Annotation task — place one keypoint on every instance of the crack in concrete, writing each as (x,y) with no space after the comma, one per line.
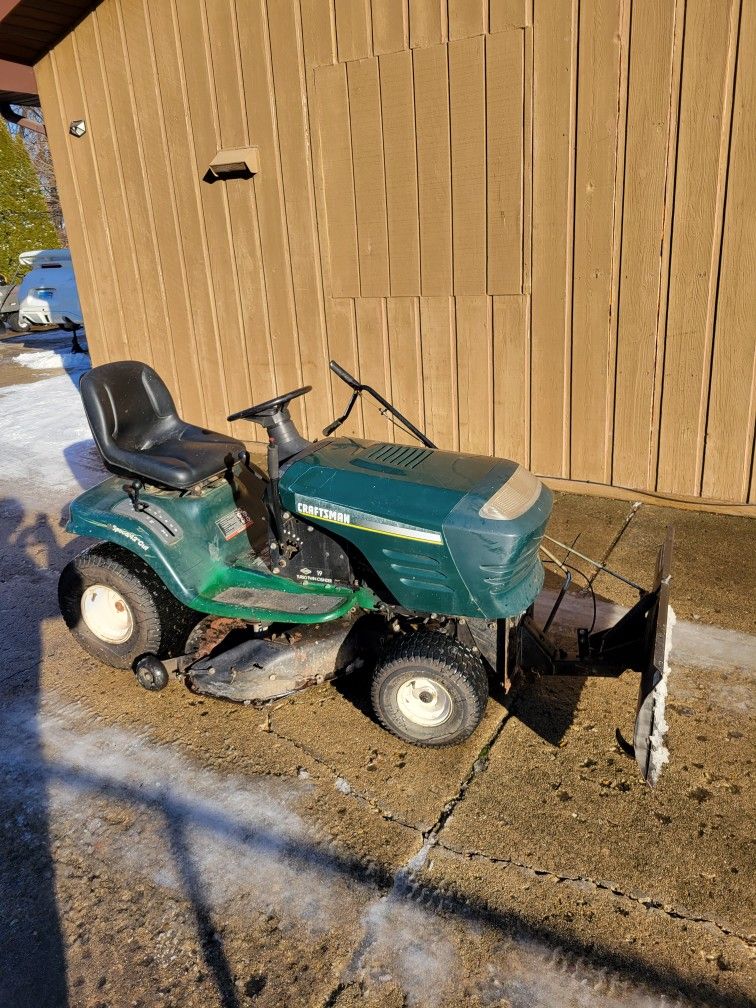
(432,831)
(645,901)
(334,995)
(478,767)
(352,791)
(13,683)
(431,837)
(404,884)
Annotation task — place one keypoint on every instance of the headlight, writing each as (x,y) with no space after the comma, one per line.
(519,493)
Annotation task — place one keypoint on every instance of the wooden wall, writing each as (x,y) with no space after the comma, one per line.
(531,224)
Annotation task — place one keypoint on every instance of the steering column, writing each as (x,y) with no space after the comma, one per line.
(284,441)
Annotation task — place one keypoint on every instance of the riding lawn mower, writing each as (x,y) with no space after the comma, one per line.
(414,566)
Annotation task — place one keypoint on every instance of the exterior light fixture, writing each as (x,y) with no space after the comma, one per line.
(236,162)
(77,127)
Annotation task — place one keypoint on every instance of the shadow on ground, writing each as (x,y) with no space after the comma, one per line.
(32,953)
(37,762)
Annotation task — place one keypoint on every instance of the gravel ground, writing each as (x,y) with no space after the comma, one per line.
(165,850)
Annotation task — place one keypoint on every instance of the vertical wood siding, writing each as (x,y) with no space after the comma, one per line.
(531,222)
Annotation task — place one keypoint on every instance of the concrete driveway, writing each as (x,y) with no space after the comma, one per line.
(165,850)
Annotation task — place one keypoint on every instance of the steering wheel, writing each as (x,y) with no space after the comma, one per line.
(270,407)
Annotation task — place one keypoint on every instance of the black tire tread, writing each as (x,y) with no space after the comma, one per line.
(443,653)
(162,621)
(176,619)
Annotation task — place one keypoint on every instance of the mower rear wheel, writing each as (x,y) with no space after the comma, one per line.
(430,690)
(117,608)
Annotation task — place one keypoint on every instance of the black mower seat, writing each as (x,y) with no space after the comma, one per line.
(139,434)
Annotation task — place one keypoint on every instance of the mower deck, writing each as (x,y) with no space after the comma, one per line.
(252,667)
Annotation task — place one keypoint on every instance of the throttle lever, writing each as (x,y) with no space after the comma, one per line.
(132,492)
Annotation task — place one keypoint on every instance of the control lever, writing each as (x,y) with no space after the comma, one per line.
(132,491)
(357,388)
(327,431)
(342,373)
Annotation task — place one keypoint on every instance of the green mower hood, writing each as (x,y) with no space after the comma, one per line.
(444,532)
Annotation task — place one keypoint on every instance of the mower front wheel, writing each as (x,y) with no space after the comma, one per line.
(118,609)
(430,690)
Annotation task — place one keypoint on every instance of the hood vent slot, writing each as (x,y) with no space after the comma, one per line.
(393,456)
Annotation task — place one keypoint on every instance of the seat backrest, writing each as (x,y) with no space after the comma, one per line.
(128,407)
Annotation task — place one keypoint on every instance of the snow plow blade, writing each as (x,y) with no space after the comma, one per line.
(640,640)
(650,725)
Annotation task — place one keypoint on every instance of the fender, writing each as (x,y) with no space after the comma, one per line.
(203,547)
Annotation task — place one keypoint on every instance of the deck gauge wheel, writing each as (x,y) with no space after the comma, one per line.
(151,673)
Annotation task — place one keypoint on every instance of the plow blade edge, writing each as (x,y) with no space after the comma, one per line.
(650,724)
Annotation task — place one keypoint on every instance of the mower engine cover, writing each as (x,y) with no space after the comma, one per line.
(446,533)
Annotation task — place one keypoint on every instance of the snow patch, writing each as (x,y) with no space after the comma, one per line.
(659,754)
(416,949)
(48,452)
(42,360)
(176,820)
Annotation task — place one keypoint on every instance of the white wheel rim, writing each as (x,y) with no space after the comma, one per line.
(424,702)
(107,614)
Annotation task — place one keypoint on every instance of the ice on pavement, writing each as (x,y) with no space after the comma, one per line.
(248,841)
(47,448)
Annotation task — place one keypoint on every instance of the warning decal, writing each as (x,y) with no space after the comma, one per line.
(233,523)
